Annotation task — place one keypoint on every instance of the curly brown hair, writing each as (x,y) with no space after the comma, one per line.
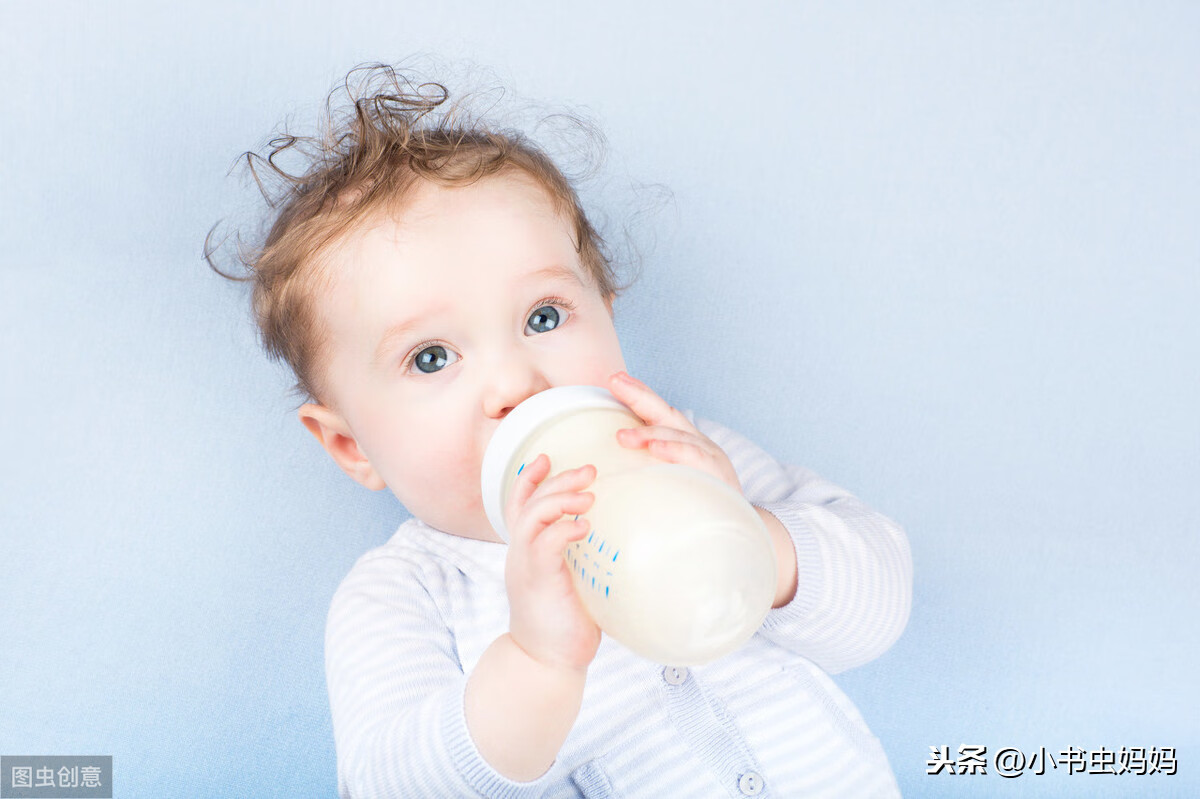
(394,132)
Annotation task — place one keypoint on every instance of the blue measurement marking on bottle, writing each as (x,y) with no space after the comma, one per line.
(522,467)
(590,556)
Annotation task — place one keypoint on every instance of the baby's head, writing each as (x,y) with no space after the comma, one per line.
(422,279)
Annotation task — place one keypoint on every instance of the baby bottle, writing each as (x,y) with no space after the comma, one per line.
(677,566)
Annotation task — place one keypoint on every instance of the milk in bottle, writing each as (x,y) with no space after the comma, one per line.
(677,565)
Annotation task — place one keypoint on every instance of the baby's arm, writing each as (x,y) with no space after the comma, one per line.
(400,700)
(396,686)
(525,693)
(853,566)
(844,583)
(407,721)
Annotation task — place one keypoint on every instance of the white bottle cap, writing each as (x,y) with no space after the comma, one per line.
(519,424)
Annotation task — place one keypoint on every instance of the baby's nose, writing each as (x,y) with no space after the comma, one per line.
(511,390)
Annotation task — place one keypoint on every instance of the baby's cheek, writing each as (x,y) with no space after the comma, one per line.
(457,468)
(595,368)
(460,474)
(430,488)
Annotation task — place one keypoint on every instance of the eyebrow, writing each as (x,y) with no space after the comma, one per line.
(556,272)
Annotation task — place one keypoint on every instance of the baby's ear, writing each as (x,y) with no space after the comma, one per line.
(328,427)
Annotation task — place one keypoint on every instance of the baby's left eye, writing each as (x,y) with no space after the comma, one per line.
(544,319)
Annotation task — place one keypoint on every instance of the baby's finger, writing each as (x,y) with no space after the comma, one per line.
(570,479)
(650,408)
(637,437)
(681,447)
(685,453)
(668,444)
(543,510)
(528,478)
(547,550)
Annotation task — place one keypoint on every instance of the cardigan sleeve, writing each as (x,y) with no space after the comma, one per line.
(853,564)
(396,690)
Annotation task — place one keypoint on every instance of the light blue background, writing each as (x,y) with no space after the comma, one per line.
(945,254)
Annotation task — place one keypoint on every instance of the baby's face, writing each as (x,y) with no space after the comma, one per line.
(439,325)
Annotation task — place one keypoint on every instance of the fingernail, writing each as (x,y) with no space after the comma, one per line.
(625,378)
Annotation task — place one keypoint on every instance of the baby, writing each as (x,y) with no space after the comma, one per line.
(423,277)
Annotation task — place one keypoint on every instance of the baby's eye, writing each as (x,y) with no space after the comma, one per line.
(433,359)
(544,319)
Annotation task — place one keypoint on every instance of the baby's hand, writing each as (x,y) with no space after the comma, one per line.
(546,617)
(669,436)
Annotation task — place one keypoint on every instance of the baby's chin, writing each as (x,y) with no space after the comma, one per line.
(468,521)
(482,532)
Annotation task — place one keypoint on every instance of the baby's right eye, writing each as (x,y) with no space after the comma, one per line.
(432,359)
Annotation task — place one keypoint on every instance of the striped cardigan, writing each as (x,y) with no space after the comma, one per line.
(412,618)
